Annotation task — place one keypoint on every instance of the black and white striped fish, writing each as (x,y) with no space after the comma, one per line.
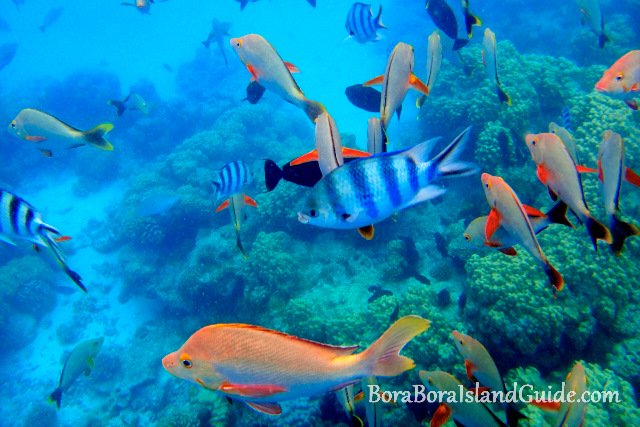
(362,25)
(231,179)
(20,221)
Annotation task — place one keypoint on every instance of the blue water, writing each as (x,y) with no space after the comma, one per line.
(158,269)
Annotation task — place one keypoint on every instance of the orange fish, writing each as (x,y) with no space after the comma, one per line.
(622,79)
(263,367)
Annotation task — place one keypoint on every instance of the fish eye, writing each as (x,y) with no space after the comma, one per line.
(13,125)
(467,236)
(487,185)
(430,381)
(313,213)
(619,76)
(187,363)
(461,342)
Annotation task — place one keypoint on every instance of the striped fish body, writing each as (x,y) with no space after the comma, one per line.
(376,141)
(367,191)
(566,119)
(328,144)
(231,179)
(361,24)
(19,220)
(396,81)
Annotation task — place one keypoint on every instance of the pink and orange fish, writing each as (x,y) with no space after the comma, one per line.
(622,79)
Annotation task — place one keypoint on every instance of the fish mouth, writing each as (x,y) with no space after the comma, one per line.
(303,218)
(600,87)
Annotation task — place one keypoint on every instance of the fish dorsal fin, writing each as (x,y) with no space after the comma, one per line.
(292,68)
(338,350)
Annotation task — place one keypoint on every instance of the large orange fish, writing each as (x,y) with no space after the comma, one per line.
(263,367)
(622,79)
(559,173)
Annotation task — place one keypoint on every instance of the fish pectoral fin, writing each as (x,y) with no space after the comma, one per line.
(542,174)
(631,177)
(35,138)
(250,202)
(374,81)
(418,85)
(352,152)
(253,72)
(91,363)
(427,193)
(7,240)
(635,87)
(311,156)
(265,408)
(366,232)
(292,68)
(509,251)
(469,367)
(441,416)
(493,223)
(533,212)
(585,169)
(224,205)
(251,390)
(546,405)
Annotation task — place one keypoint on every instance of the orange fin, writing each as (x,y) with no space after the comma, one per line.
(366,232)
(254,73)
(531,211)
(62,239)
(631,177)
(546,405)
(543,176)
(441,416)
(224,205)
(251,390)
(292,68)
(265,407)
(468,366)
(634,87)
(479,390)
(34,138)
(311,156)
(374,81)
(250,202)
(509,251)
(600,173)
(417,84)
(493,243)
(493,223)
(584,169)
(352,152)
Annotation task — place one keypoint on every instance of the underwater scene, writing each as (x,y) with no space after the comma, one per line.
(319,213)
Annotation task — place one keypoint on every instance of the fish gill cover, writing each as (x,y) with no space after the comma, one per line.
(138,223)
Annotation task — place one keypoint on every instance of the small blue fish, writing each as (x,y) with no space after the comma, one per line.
(231,179)
(367,191)
(361,24)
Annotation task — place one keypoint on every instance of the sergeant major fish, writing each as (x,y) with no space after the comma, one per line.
(490,61)
(268,69)
(80,361)
(45,130)
(231,179)
(622,79)
(454,19)
(361,24)
(262,367)
(369,190)
(20,220)
(236,204)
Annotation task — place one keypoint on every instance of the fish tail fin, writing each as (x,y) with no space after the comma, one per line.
(119,105)
(379,23)
(56,396)
(597,231)
(502,95)
(313,109)
(45,232)
(602,39)
(272,174)
(620,230)
(555,278)
(382,358)
(558,214)
(446,164)
(513,415)
(96,136)
(206,43)
(239,245)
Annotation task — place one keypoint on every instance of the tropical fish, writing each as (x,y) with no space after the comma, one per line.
(236,204)
(377,292)
(376,137)
(559,173)
(566,119)
(306,174)
(51,17)
(507,211)
(466,413)
(157,204)
(566,138)
(366,98)
(20,220)
(481,368)
(454,19)
(361,24)
(369,190)
(231,179)
(346,398)
(572,409)
(622,79)
(262,367)
(490,61)
(133,101)
(611,172)
(143,6)
(501,240)
(268,69)
(244,3)
(217,33)
(7,53)
(434,60)
(80,361)
(396,80)
(254,92)
(329,151)
(592,15)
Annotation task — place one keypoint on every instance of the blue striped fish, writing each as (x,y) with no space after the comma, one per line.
(367,191)
(566,119)
(231,179)
(19,220)
(362,25)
